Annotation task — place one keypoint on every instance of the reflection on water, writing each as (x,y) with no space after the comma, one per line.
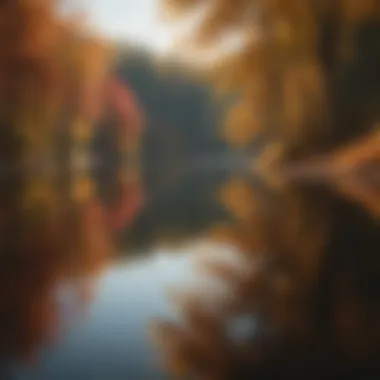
(238,278)
(308,295)
(109,338)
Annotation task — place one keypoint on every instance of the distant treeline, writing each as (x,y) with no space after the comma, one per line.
(182,118)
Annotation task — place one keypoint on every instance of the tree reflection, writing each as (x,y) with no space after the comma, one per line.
(49,239)
(309,290)
(43,244)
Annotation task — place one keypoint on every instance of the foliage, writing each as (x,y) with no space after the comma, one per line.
(50,69)
(307,71)
(307,76)
(47,240)
(181,115)
(309,287)
(53,79)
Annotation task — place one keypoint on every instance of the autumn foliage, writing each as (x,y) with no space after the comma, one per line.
(54,76)
(307,76)
(307,71)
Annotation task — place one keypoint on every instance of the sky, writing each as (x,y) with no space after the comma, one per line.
(139,22)
(135,20)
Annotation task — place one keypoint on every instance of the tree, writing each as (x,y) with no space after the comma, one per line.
(50,73)
(306,72)
(307,77)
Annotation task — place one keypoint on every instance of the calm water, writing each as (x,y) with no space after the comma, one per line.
(83,301)
(109,340)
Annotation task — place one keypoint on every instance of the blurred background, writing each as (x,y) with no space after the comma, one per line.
(189,189)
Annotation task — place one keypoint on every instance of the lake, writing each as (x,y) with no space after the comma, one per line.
(220,261)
